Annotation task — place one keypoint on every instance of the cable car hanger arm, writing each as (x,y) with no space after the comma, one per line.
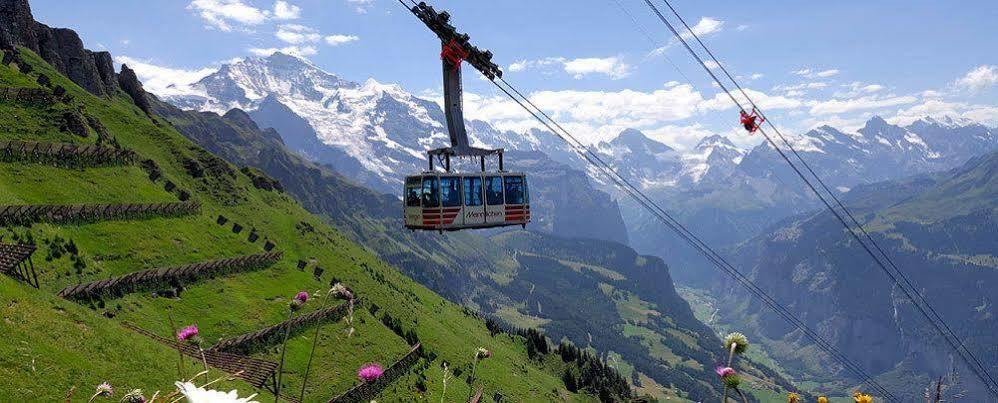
(455,49)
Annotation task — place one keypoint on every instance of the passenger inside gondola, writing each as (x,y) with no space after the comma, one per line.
(493,190)
(431,190)
(450,191)
(514,189)
(412,192)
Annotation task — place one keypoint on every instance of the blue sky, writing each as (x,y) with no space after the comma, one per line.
(588,62)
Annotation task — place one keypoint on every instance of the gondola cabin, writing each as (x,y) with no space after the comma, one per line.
(456,201)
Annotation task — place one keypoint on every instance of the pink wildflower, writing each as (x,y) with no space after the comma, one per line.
(370,372)
(724,371)
(188,333)
(302,296)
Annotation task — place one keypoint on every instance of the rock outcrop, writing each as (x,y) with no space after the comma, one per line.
(60,47)
(129,83)
(105,69)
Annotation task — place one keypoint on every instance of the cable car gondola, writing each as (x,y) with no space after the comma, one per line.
(450,201)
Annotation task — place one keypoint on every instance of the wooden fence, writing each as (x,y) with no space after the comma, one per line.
(153,279)
(368,391)
(256,372)
(15,261)
(251,342)
(66,155)
(25,215)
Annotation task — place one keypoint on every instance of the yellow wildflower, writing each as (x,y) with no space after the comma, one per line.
(822,399)
(793,398)
(862,398)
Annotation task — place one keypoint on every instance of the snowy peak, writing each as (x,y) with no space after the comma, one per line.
(253,78)
(636,141)
(715,141)
(948,122)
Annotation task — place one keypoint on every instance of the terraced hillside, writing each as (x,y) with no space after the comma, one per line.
(206,272)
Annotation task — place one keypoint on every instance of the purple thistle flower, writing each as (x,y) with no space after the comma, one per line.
(370,372)
(188,333)
(722,371)
(302,297)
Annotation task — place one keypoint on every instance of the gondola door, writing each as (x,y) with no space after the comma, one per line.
(474,201)
(413,202)
(495,207)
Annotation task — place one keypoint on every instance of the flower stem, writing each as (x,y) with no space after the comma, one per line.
(204,360)
(280,366)
(443,394)
(474,370)
(180,351)
(731,354)
(315,341)
(744,400)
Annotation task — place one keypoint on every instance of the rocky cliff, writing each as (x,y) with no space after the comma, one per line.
(60,47)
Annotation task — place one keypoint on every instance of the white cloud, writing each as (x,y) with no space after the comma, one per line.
(710,64)
(705,27)
(856,89)
(756,76)
(523,65)
(361,6)
(845,124)
(811,73)
(741,27)
(722,101)
(227,15)
(286,11)
(797,90)
(595,115)
(938,108)
(517,66)
(838,106)
(827,73)
(980,78)
(297,34)
(613,67)
(336,40)
(678,136)
(164,81)
(664,114)
(230,15)
(300,51)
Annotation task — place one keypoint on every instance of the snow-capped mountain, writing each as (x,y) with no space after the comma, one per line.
(878,151)
(378,130)
(373,132)
(742,194)
(654,165)
(376,134)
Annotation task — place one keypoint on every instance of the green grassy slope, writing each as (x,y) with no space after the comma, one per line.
(73,345)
